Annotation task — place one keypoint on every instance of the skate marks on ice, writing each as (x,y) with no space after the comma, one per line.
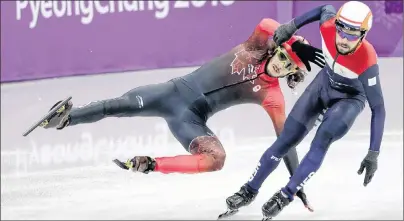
(107,192)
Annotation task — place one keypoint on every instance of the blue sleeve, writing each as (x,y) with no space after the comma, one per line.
(371,83)
(321,13)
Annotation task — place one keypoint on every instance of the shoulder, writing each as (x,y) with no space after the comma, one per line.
(328,25)
(328,31)
(264,30)
(367,50)
(366,57)
(268,26)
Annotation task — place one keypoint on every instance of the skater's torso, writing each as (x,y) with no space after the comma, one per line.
(344,70)
(237,76)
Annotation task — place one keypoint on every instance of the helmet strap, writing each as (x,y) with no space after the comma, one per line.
(359,44)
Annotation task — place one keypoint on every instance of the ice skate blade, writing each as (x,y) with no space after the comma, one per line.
(227,214)
(48,115)
(266,218)
(120,164)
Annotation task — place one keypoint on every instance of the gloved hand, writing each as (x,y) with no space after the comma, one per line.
(370,163)
(293,79)
(303,198)
(284,32)
(308,53)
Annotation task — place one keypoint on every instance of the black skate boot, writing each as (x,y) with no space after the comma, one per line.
(275,205)
(60,118)
(141,164)
(243,197)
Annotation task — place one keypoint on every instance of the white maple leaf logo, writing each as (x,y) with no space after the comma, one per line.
(243,64)
(240,62)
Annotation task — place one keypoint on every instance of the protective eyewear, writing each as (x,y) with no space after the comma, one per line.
(286,60)
(343,34)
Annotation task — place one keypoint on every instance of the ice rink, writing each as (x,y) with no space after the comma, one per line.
(107,192)
(69,174)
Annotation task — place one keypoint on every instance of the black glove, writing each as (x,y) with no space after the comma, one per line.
(370,163)
(293,79)
(284,32)
(303,198)
(308,53)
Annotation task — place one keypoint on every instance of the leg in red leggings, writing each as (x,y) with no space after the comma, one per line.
(206,152)
(208,155)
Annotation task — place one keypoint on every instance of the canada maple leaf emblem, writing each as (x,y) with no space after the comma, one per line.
(240,62)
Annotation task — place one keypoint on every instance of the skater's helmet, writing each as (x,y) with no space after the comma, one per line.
(288,47)
(356,16)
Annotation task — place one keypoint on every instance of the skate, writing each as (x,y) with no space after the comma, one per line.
(60,118)
(274,205)
(53,117)
(243,197)
(142,164)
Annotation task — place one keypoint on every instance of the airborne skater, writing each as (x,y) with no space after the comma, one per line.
(248,73)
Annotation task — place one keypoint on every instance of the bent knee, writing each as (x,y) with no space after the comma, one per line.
(214,155)
(329,133)
(293,132)
(212,162)
(218,161)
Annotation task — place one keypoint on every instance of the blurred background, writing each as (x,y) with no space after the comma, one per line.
(93,50)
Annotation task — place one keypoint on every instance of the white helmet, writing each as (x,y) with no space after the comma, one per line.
(355,15)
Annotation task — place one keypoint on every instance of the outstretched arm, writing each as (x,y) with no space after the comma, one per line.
(321,13)
(285,31)
(371,83)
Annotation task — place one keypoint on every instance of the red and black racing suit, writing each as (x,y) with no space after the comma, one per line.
(186,103)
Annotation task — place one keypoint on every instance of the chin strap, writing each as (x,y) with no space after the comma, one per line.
(358,45)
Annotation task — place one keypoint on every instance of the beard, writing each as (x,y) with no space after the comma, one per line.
(345,47)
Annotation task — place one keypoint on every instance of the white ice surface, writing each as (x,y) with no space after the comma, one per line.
(107,192)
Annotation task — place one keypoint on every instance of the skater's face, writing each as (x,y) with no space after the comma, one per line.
(280,65)
(346,39)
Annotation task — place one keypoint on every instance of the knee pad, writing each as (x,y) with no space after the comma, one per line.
(211,148)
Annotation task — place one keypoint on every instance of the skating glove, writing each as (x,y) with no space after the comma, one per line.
(284,32)
(303,198)
(308,53)
(370,163)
